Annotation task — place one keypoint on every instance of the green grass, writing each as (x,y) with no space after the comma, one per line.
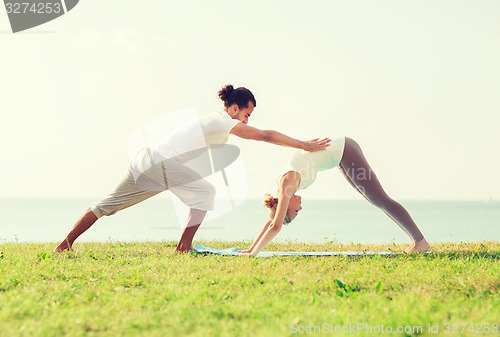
(144,289)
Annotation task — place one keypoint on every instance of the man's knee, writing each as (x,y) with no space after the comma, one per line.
(103,211)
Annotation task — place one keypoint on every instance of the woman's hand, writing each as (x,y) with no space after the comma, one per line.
(317,144)
(244,253)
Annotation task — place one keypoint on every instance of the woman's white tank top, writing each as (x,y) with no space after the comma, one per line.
(308,164)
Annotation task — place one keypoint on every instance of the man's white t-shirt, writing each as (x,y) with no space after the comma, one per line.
(190,140)
(195,135)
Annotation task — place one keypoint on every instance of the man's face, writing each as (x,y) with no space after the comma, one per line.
(241,114)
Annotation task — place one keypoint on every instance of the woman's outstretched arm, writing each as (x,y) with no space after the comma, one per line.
(274,227)
(288,186)
(264,229)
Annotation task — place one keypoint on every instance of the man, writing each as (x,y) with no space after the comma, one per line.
(162,169)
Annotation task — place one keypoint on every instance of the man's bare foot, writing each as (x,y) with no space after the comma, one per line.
(421,246)
(184,248)
(63,246)
(182,251)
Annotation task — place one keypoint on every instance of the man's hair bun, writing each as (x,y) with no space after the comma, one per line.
(240,96)
(225,92)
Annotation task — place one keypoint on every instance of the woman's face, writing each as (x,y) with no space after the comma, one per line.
(294,206)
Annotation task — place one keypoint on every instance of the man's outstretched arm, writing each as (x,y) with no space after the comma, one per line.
(270,136)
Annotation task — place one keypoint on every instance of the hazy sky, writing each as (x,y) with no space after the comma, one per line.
(415,83)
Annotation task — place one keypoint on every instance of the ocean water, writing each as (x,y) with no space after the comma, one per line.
(49,220)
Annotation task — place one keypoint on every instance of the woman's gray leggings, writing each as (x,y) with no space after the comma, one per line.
(361,176)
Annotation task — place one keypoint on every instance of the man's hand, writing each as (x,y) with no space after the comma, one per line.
(317,144)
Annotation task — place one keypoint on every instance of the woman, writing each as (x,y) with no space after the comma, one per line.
(301,172)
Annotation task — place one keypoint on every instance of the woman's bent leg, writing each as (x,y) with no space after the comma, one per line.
(360,175)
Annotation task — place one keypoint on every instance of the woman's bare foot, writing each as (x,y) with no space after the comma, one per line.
(410,248)
(421,246)
(63,246)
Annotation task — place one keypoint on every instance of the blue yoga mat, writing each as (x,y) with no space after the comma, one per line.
(232,251)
